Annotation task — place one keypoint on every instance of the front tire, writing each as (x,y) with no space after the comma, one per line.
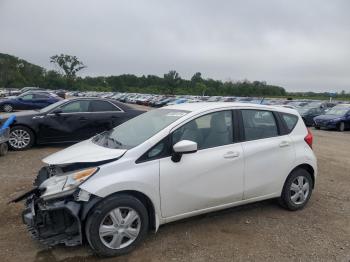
(21,138)
(297,190)
(7,108)
(117,225)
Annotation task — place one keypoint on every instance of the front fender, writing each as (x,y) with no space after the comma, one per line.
(142,178)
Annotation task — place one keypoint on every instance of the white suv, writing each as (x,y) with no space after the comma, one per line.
(169,164)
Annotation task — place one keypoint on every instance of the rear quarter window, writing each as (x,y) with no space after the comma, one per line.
(290,121)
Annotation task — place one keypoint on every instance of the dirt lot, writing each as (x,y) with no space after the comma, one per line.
(256,232)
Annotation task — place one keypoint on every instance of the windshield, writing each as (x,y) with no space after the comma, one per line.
(338,111)
(52,106)
(137,130)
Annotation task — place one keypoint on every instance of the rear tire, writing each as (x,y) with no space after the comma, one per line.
(297,190)
(21,138)
(108,229)
(317,127)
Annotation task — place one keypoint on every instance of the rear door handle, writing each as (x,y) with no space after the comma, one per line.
(231,154)
(284,144)
(83,119)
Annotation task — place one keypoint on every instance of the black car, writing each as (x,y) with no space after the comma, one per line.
(69,120)
(308,114)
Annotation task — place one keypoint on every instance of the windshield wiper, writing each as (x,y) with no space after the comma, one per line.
(114,141)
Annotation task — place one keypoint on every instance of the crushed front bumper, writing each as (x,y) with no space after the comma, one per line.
(53,223)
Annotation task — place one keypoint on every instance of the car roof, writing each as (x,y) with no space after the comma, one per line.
(113,101)
(204,106)
(30,92)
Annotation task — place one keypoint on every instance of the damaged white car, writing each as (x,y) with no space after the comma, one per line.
(169,164)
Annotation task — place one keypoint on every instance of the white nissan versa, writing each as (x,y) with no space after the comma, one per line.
(168,164)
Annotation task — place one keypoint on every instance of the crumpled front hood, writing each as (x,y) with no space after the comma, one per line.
(83,152)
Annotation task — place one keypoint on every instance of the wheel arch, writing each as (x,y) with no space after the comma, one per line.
(27,126)
(309,169)
(145,200)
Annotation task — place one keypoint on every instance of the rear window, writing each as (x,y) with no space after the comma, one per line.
(259,124)
(290,121)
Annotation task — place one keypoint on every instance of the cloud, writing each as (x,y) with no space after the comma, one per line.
(300,45)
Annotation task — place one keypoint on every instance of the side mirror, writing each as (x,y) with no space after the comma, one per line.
(183,147)
(57,112)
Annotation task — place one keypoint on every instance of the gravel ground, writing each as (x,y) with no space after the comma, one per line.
(257,232)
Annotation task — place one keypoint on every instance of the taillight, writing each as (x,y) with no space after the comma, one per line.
(308,139)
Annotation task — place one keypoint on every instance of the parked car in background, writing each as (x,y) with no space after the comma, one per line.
(164,101)
(178,101)
(320,104)
(229,99)
(336,118)
(28,100)
(3,93)
(61,93)
(30,88)
(70,120)
(297,104)
(169,164)
(309,113)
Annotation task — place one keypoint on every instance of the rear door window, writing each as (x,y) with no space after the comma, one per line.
(102,106)
(290,121)
(41,96)
(259,124)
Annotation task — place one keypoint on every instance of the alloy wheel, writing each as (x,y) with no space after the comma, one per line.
(8,108)
(299,190)
(19,139)
(342,126)
(120,228)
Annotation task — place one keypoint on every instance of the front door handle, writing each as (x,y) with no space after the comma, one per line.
(231,154)
(83,118)
(284,144)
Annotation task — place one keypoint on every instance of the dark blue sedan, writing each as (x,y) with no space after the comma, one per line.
(336,118)
(27,101)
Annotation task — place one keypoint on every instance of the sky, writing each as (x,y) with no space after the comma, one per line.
(301,45)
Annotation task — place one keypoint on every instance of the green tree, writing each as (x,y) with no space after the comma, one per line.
(200,89)
(69,64)
(172,80)
(196,78)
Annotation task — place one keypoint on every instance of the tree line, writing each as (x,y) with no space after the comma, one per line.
(17,73)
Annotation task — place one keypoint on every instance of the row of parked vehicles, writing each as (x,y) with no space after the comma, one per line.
(330,115)
(45,117)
